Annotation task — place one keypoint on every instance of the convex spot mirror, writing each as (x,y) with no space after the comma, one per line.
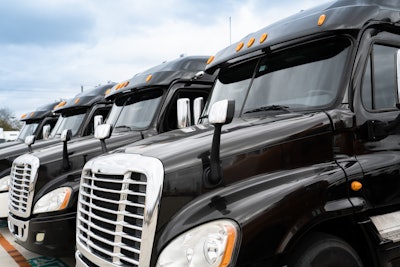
(46,131)
(222,112)
(102,131)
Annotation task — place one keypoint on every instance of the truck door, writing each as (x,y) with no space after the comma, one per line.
(377,145)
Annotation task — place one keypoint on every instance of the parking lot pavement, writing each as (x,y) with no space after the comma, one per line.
(13,255)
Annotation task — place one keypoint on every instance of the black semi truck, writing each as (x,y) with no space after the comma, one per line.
(38,123)
(42,214)
(298,165)
(76,114)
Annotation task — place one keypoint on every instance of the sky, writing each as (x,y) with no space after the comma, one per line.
(53,49)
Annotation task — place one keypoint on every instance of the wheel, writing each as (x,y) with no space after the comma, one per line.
(323,250)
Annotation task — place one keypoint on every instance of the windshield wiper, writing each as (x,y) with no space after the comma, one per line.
(268,108)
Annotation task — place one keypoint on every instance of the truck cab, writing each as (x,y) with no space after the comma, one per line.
(76,113)
(143,106)
(296,163)
(39,123)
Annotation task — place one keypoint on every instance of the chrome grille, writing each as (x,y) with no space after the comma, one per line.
(23,177)
(117,209)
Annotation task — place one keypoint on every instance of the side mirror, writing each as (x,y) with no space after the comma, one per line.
(66,135)
(102,131)
(222,112)
(198,105)
(29,141)
(183,112)
(98,120)
(46,131)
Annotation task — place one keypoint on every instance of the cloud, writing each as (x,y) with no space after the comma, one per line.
(49,49)
(43,23)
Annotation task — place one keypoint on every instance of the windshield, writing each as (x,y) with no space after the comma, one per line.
(27,129)
(72,122)
(135,111)
(302,78)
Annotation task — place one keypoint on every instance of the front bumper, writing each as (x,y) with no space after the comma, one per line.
(50,236)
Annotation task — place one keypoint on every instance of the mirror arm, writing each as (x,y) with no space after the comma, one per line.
(215,175)
(66,164)
(103,146)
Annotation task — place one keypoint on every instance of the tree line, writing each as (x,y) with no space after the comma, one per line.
(8,121)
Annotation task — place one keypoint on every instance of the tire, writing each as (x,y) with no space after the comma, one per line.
(323,250)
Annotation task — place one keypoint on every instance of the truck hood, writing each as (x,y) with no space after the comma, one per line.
(187,147)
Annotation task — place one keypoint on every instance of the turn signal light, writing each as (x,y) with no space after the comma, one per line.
(23,116)
(149,78)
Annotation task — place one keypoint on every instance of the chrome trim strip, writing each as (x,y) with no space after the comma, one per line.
(121,164)
(388,225)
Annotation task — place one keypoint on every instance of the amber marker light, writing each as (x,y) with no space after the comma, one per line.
(32,113)
(263,38)
(230,245)
(77,100)
(23,116)
(149,78)
(108,91)
(119,86)
(250,42)
(61,104)
(210,59)
(356,186)
(321,20)
(66,199)
(239,46)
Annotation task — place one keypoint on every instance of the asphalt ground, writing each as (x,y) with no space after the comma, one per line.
(14,255)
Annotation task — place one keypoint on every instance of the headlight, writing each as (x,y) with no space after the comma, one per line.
(211,244)
(5,183)
(55,200)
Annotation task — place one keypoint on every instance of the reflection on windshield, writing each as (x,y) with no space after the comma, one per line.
(27,129)
(71,122)
(135,111)
(305,77)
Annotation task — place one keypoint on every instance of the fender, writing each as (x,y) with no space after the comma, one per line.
(272,209)
(69,179)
